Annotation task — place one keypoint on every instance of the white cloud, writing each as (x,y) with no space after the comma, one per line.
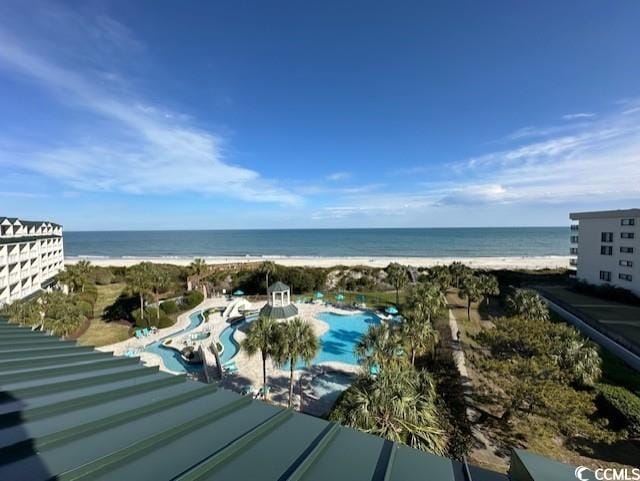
(336,176)
(579,115)
(135,146)
(599,162)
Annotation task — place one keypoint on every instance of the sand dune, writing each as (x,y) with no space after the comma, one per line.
(534,262)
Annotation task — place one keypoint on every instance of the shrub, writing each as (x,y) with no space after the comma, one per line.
(620,406)
(103,277)
(89,295)
(169,307)
(607,292)
(85,307)
(151,318)
(192,299)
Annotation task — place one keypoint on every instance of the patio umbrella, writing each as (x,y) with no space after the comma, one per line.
(238,293)
(319,295)
(391,310)
(339,297)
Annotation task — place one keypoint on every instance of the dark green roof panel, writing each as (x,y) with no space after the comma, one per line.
(68,412)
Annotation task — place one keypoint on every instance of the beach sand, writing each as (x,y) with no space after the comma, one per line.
(529,263)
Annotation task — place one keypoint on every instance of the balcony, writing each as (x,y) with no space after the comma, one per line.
(574,239)
(574,227)
(573,251)
(573,262)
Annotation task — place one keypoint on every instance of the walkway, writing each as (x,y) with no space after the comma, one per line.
(485,448)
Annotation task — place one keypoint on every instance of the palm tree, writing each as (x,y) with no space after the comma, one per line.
(266,268)
(458,272)
(580,359)
(428,299)
(83,269)
(23,312)
(397,275)
(60,315)
(471,291)
(441,275)
(159,281)
(399,404)
(197,267)
(380,346)
(527,304)
(489,286)
(297,343)
(418,334)
(139,282)
(263,337)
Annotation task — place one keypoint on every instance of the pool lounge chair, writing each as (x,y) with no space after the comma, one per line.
(249,391)
(261,392)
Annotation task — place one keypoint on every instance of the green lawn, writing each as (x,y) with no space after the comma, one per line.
(378,299)
(101,333)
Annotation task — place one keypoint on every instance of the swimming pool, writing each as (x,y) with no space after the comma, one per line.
(227,338)
(338,344)
(170,357)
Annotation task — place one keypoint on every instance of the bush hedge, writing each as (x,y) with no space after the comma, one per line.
(151,318)
(85,307)
(192,299)
(607,292)
(169,307)
(621,406)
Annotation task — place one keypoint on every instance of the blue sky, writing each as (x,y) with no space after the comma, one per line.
(163,114)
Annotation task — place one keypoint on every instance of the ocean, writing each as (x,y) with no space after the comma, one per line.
(424,242)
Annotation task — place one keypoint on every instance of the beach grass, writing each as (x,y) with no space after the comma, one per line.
(100,332)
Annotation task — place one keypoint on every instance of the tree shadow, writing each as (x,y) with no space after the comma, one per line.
(624,451)
(19,459)
(121,309)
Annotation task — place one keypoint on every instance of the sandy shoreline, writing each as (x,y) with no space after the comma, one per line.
(506,262)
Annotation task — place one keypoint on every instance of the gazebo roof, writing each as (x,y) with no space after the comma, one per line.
(277,287)
(278,312)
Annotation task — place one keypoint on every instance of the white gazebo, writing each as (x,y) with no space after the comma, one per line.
(278,304)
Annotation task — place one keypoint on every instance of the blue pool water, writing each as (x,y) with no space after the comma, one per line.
(339,342)
(227,338)
(171,358)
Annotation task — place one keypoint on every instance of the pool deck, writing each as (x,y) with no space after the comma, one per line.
(150,359)
(250,368)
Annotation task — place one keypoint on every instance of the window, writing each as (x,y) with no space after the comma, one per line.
(574,239)
(625,277)
(573,251)
(626,250)
(627,222)
(627,235)
(607,237)
(606,250)
(625,263)
(605,276)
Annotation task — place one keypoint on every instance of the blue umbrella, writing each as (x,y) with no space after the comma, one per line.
(238,293)
(391,310)
(339,297)
(319,295)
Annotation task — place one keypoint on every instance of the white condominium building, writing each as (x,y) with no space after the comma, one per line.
(605,247)
(31,254)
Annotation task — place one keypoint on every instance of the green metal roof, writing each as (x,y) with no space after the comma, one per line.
(278,312)
(277,287)
(526,466)
(72,413)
